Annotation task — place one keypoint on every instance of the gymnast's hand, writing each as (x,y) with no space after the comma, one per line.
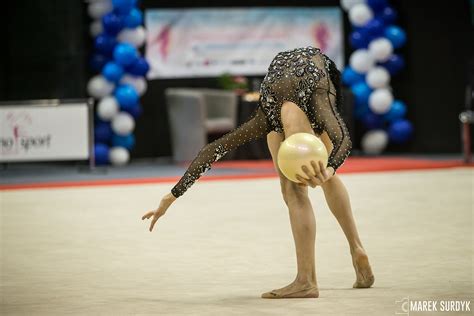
(317,176)
(166,201)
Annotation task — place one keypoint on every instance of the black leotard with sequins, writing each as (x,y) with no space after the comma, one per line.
(304,76)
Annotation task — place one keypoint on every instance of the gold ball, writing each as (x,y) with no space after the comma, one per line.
(298,150)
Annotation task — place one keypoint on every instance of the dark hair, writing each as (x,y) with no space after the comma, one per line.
(335,76)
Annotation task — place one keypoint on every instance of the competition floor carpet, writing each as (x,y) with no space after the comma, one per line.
(74,246)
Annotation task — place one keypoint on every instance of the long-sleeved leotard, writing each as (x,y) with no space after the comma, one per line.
(303,76)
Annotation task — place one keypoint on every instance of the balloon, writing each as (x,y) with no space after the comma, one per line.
(107,108)
(105,44)
(127,141)
(350,77)
(360,14)
(377,5)
(348,4)
(96,28)
(394,64)
(374,141)
(139,83)
(126,96)
(375,27)
(112,71)
(123,123)
(400,131)
(99,8)
(112,23)
(378,77)
(135,37)
(380,101)
(139,68)
(97,62)
(380,49)
(134,18)
(361,61)
(102,132)
(359,39)
(389,15)
(397,111)
(135,111)
(361,92)
(298,150)
(372,120)
(119,156)
(361,110)
(123,6)
(125,54)
(101,154)
(396,35)
(98,87)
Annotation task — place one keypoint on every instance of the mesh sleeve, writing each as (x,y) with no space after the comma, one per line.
(254,128)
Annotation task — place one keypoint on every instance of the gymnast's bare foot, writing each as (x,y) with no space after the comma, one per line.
(296,289)
(364,276)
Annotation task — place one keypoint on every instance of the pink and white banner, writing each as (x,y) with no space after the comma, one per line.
(240,41)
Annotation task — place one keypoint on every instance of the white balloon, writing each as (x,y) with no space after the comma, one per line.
(348,4)
(119,156)
(380,101)
(378,77)
(361,61)
(139,83)
(98,9)
(98,87)
(360,14)
(374,141)
(107,108)
(380,49)
(96,28)
(123,124)
(136,36)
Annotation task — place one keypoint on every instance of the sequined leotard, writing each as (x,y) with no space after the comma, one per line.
(304,76)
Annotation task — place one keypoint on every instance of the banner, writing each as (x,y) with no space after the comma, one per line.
(210,42)
(32,133)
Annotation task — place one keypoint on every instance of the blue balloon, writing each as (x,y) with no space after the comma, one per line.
(123,6)
(135,111)
(396,35)
(377,5)
(134,18)
(361,92)
(105,44)
(127,141)
(394,64)
(97,62)
(389,15)
(359,39)
(139,68)
(361,110)
(126,96)
(102,132)
(351,77)
(125,54)
(372,120)
(112,23)
(375,27)
(112,71)
(397,111)
(101,154)
(400,131)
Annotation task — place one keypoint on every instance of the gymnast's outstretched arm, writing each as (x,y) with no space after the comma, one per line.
(254,128)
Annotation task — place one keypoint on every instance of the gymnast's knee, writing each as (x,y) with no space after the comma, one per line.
(292,192)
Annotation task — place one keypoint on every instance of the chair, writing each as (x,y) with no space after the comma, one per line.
(194,113)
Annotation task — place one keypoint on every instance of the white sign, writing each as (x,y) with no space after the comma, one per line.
(32,133)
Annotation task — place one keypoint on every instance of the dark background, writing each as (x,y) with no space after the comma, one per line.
(46,46)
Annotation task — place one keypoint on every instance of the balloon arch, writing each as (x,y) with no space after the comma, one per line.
(376,38)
